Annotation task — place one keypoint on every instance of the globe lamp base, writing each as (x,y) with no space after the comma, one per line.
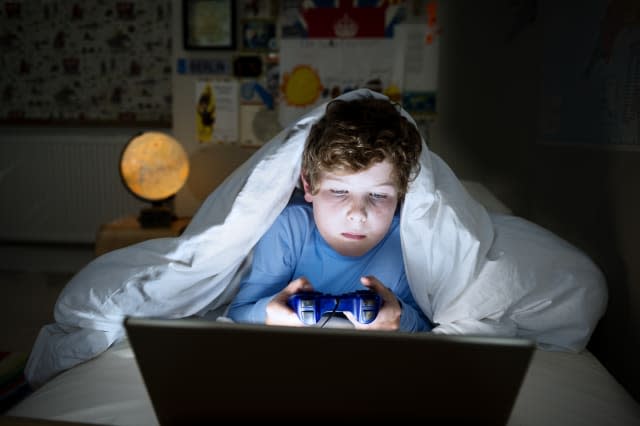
(156,217)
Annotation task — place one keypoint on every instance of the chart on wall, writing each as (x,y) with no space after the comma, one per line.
(329,48)
(591,85)
(95,61)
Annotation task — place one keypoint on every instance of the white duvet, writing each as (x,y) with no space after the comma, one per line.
(470,271)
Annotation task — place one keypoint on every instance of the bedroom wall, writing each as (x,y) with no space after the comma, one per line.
(487,130)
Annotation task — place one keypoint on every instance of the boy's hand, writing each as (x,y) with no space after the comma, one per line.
(389,315)
(278,312)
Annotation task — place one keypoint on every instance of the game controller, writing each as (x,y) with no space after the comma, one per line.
(312,305)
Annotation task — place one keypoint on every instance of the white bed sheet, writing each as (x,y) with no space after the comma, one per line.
(560,388)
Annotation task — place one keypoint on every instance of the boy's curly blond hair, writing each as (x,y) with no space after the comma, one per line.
(354,135)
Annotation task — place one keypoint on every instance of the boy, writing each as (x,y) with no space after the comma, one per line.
(356,167)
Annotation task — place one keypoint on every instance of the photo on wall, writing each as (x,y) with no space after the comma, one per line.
(259,34)
(209,24)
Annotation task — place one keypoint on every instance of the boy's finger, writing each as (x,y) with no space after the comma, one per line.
(373,283)
(299,284)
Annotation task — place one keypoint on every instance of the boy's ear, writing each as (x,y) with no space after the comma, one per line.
(307,188)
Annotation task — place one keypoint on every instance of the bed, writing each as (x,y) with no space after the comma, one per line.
(560,388)
(503,275)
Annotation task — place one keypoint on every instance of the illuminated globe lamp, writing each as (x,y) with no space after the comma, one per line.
(154,166)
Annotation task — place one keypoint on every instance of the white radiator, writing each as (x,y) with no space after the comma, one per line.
(59,185)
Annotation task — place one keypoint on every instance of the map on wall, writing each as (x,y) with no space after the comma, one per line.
(591,73)
(93,61)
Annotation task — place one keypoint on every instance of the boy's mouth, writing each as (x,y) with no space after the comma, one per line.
(351,236)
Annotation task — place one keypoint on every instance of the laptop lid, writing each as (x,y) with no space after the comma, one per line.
(200,372)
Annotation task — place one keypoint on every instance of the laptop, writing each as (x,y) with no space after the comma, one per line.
(203,372)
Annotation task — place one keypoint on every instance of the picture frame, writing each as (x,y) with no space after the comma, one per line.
(209,24)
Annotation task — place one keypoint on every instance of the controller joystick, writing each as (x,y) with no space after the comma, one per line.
(312,305)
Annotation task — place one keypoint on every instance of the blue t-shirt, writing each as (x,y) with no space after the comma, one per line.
(293,248)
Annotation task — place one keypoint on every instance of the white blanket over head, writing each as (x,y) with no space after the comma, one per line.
(471,272)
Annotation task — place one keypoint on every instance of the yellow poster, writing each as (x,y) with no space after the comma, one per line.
(216,111)
(205,113)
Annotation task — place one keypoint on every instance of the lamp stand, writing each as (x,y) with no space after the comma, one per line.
(159,215)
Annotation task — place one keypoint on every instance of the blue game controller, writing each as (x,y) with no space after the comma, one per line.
(312,305)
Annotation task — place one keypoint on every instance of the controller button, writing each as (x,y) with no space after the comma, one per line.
(305,303)
(308,317)
(369,302)
(368,316)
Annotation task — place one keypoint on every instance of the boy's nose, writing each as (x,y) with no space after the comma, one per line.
(357,213)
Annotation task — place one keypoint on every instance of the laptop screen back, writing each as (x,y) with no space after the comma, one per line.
(198,371)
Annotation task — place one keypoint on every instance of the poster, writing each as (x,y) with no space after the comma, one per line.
(313,71)
(320,59)
(419,82)
(216,111)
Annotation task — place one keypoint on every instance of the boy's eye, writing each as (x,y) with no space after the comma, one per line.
(376,196)
(338,192)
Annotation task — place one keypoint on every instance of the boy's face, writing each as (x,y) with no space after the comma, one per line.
(353,212)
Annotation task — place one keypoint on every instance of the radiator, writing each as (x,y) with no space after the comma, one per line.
(59,185)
